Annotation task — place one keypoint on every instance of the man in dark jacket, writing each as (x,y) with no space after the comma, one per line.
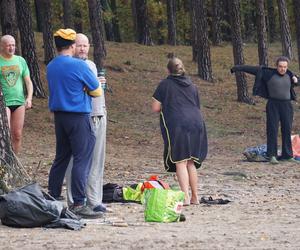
(276,85)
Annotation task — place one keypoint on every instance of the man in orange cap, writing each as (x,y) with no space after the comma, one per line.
(71,86)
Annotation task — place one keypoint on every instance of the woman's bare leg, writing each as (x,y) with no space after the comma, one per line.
(183,179)
(193,180)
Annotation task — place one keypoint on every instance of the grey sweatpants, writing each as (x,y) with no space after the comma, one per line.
(94,187)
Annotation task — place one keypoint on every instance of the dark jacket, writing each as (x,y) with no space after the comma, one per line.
(262,76)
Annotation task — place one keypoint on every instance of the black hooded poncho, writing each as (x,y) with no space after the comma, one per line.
(182,126)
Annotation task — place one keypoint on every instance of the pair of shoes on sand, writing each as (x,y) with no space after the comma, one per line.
(211,201)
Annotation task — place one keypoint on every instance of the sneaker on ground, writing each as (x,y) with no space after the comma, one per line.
(102,208)
(273,160)
(292,160)
(86,212)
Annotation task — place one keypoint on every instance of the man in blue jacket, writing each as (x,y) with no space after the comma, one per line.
(71,86)
(276,85)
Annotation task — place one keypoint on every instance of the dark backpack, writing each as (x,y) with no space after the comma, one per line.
(112,192)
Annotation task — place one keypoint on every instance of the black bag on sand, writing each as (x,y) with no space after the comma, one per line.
(112,193)
(28,207)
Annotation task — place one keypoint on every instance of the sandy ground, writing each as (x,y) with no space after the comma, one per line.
(264,212)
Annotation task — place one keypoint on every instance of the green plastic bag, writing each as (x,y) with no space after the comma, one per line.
(163,205)
(133,194)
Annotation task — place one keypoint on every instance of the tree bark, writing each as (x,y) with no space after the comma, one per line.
(249,28)
(285,32)
(12,173)
(68,14)
(45,10)
(134,19)
(38,15)
(193,31)
(28,45)
(78,20)
(216,22)
(171,13)
(108,26)
(261,33)
(115,21)
(142,22)
(9,21)
(296,7)
(271,21)
(202,45)
(96,21)
(238,56)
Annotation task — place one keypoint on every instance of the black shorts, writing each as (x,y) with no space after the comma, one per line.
(14,107)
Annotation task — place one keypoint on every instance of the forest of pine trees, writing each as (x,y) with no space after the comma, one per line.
(196,23)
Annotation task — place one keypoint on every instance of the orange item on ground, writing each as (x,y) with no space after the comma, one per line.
(296,145)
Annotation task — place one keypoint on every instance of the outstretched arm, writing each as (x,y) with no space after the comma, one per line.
(245,68)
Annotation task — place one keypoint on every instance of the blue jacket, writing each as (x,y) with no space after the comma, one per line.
(68,78)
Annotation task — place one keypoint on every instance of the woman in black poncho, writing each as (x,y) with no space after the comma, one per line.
(182,127)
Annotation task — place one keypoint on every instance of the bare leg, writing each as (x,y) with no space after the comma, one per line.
(183,179)
(8,114)
(193,178)
(16,126)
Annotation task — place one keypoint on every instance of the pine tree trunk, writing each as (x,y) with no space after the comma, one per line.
(109,32)
(216,22)
(96,21)
(45,10)
(238,56)
(296,7)
(261,33)
(115,21)
(285,32)
(271,21)
(225,29)
(171,13)
(193,31)
(202,45)
(142,23)
(68,14)
(134,19)
(38,15)
(9,21)
(108,25)
(249,22)
(12,173)
(78,21)
(28,45)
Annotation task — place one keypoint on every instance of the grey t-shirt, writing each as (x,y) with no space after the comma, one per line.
(98,103)
(279,87)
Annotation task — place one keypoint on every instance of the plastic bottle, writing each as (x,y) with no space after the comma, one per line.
(101,73)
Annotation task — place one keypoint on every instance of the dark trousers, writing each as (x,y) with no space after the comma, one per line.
(74,136)
(279,111)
